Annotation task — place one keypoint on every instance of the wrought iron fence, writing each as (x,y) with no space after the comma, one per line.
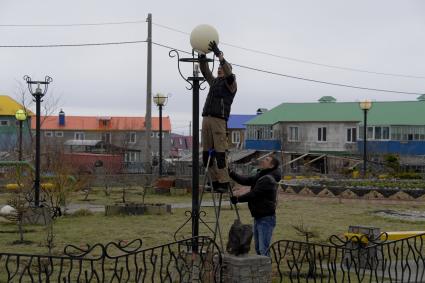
(350,260)
(118,262)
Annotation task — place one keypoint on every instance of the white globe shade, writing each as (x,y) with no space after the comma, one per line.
(365,104)
(160,99)
(7,209)
(201,36)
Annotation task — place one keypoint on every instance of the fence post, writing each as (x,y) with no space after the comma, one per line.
(367,257)
(247,269)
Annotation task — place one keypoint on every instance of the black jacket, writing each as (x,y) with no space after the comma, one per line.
(219,100)
(262,196)
(222,91)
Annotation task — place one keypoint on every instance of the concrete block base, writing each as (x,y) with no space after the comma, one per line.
(37,216)
(247,269)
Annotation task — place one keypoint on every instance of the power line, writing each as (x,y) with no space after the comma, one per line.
(186,33)
(74,25)
(73,45)
(301,60)
(302,78)
(186,52)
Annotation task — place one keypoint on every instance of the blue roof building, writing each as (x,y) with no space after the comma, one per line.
(236,127)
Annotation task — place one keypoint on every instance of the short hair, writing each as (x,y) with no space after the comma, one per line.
(275,162)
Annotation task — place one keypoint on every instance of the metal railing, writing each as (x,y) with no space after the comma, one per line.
(350,260)
(118,262)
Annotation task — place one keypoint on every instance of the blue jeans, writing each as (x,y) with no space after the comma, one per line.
(263,230)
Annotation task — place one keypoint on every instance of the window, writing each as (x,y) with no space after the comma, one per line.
(79,136)
(131,137)
(321,134)
(385,133)
(4,123)
(369,132)
(130,156)
(180,141)
(59,134)
(378,133)
(172,141)
(351,134)
(382,133)
(106,137)
(48,134)
(259,134)
(293,134)
(236,137)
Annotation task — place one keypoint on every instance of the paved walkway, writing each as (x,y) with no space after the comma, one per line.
(101,208)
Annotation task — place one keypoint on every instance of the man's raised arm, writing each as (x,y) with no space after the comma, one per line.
(205,69)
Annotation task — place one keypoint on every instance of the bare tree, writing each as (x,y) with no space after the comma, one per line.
(18,200)
(308,233)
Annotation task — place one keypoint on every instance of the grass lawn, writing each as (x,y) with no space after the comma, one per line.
(97,196)
(326,216)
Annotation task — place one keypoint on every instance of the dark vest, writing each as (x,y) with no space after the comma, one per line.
(219,100)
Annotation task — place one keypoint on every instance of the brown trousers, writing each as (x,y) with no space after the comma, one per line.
(214,136)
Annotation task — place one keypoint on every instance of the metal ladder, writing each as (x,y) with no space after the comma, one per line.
(217,202)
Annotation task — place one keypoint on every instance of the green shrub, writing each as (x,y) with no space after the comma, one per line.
(392,161)
(407,175)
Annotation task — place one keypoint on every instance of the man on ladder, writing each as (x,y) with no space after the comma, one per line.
(215,114)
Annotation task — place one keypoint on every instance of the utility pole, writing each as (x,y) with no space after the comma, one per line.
(148,116)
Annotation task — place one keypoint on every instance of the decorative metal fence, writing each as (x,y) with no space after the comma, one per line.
(350,260)
(118,262)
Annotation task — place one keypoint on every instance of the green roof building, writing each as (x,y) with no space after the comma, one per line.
(330,126)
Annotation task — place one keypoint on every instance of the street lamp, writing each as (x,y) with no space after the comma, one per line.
(21,116)
(160,100)
(199,39)
(365,105)
(38,95)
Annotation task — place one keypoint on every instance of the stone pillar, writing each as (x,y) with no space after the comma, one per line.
(247,269)
(362,254)
(36,216)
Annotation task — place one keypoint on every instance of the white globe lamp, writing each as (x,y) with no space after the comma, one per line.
(201,36)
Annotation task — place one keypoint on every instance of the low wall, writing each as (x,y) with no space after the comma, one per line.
(355,192)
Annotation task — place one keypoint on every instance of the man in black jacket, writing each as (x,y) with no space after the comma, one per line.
(261,200)
(215,114)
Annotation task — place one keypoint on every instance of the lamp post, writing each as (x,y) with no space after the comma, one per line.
(160,100)
(365,105)
(199,39)
(38,95)
(21,116)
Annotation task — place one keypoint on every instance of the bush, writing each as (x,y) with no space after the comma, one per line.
(407,175)
(392,161)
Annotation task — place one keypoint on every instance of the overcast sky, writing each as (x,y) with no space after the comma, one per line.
(380,36)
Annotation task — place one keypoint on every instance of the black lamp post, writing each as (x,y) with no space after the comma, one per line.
(21,116)
(199,39)
(365,106)
(38,95)
(160,100)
